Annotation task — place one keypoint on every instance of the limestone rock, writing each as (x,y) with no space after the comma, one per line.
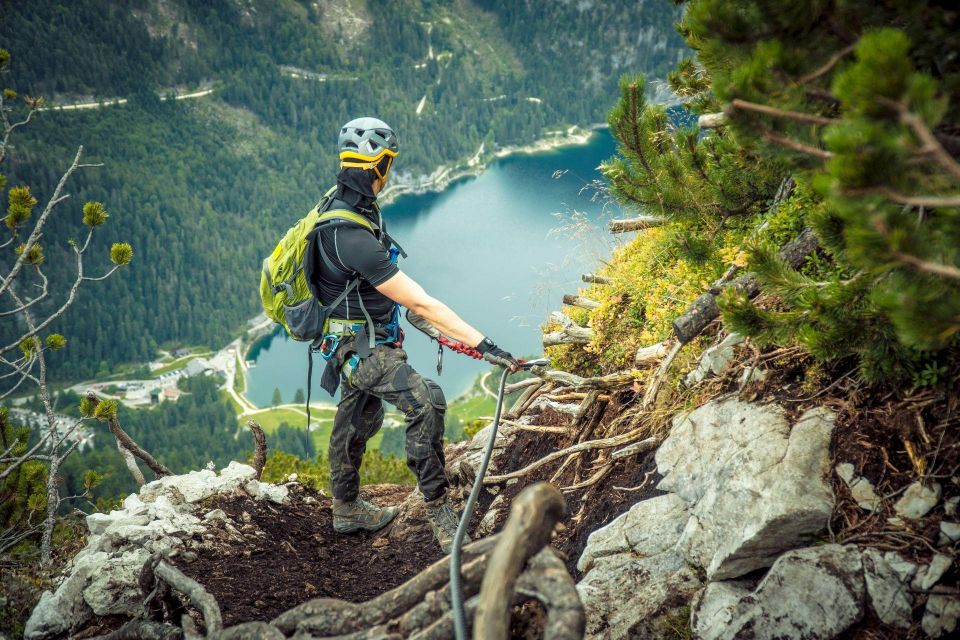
(648,528)
(950,505)
(465,459)
(942,613)
(887,586)
(625,596)
(714,360)
(860,488)
(755,486)
(789,601)
(276,493)
(65,608)
(114,586)
(917,500)
(634,577)
(949,532)
(928,575)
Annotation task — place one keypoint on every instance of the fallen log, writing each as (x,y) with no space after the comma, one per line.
(533,515)
(579,301)
(595,279)
(634,224)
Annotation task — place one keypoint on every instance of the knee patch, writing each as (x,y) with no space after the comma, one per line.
(436,395)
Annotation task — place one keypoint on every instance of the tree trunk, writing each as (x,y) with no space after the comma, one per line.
(634,224)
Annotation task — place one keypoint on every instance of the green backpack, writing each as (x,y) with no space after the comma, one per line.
(284,284)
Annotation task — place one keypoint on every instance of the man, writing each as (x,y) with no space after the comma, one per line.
(375,372)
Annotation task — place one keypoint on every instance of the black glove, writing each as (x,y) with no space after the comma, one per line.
(496,355)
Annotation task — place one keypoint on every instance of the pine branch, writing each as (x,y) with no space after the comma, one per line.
(793,144)
(934,202)
(930,143)
(737,104)
(830,64)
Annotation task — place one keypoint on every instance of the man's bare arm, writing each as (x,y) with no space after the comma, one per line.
(404,290)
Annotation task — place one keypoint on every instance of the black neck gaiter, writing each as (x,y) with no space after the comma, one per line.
(355,187)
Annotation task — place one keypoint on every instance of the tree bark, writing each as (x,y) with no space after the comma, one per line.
(533,515)
(650,355)
(199,596)
(259,447)
(547,580)
(131,463)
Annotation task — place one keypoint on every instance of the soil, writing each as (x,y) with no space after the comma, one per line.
(291,554)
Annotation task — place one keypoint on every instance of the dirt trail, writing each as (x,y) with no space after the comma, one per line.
(291,554)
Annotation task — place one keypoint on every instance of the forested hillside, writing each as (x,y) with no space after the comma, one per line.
(200,188)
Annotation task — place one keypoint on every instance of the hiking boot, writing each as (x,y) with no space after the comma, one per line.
(444,521)
(360,515)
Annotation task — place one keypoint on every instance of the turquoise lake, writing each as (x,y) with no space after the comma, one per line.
(500,249)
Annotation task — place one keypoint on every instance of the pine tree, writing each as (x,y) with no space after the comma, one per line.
(298,397)
(276,399)
(850,99)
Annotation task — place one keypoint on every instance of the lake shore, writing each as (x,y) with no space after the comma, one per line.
(446,174)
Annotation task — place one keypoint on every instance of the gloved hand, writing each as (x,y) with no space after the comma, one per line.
(492,353)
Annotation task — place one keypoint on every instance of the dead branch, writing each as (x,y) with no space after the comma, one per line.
(653,387)
(634,224)
(637,447)
(523,384)
(577,395)
(569,333)
(259,447)
(199,596)
(579,301)
(595,279)
(712,120)
(604,443)
(591,481)
(131,463)
(930,142)
(129,444)
(533,515)
(519,426)
(527,398)
(650,355)
(611,381)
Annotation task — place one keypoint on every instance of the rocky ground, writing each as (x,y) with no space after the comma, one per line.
(764,509)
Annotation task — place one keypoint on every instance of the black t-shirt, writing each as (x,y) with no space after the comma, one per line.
(359,252)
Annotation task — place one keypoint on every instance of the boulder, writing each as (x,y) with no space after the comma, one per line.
(789,601)
(754,486)
(917,500)
(634,577)
(276,493)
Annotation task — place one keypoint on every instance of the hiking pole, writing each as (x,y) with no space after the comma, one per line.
(456,590)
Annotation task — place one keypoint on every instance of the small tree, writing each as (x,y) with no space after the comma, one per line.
(30,303)
(276,399)
(298,397)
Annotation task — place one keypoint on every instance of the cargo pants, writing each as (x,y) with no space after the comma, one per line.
(386,375)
